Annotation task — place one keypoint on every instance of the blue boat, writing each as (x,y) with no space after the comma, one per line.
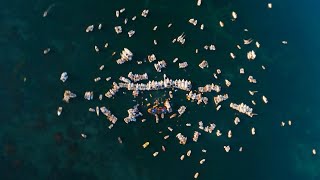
(157,110)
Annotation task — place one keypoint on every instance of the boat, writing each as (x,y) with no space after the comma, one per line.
(157,110)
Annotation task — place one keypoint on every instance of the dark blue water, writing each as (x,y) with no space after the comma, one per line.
(37,144)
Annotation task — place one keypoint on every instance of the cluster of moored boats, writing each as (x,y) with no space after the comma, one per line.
(112,118)
(209,88)
(243,108)
(132,114)
(197,97)
(132,83)
(126,55)
(137,77)
(88,95)
(67,95)
(166,83)
(204,64)
(219,98)
(160,65)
